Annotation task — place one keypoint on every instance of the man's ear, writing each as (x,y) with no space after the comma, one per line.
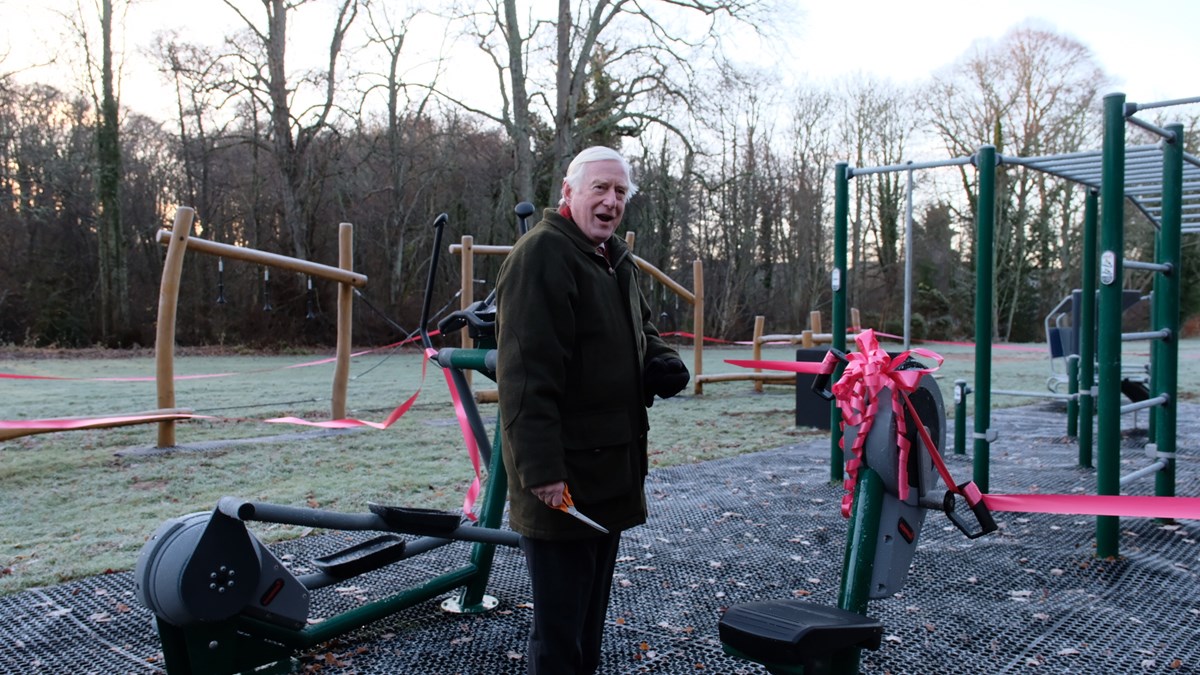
(567,190)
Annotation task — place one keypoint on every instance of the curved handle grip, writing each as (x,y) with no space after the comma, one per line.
(820,385)
(524,210)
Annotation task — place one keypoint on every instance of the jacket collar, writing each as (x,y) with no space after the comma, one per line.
(616,245)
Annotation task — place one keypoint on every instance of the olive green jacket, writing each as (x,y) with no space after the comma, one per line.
(573,336)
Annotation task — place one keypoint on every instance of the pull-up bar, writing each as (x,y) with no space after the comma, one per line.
(892,168)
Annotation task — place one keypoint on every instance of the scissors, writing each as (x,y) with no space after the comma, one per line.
(568,507)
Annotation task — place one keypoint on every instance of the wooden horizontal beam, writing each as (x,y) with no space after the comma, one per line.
(252,255)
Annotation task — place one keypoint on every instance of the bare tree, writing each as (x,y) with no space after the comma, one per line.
(101,73)
(620,67)
(1034,92)
(266,80)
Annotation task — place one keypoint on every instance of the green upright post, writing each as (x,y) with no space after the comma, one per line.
(472,599)
(861,541)
(1073,391)
(838,282)
(1112,275)
(1166,300)
(1087,332)
(960,417)
(985,218)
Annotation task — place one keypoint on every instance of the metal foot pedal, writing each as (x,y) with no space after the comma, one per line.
(360,558)
(790,633)
(431,522)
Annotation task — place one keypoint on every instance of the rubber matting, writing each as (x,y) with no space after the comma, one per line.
(1029,598)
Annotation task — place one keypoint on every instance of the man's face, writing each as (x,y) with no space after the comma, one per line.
(599,203)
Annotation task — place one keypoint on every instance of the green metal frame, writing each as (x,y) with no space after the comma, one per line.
(1108,341)
(1164,379)
(985,219)
(841,217)
(1087,337)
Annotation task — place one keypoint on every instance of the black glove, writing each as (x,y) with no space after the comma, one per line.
(666,376)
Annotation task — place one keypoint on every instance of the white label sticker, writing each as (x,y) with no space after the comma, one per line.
(836,280)
(1108,268)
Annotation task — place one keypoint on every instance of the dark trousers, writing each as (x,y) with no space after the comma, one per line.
(572,581)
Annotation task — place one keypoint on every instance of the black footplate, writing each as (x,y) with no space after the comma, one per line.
(430,522)
(791,632)
(361,558)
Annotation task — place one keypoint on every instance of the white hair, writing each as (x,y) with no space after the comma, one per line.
(596,153)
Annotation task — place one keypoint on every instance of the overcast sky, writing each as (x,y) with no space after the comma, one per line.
(1150,47)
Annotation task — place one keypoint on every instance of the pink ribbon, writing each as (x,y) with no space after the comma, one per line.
(469,438)
(1133,506)
(869,371)
(75,423)
(347,423)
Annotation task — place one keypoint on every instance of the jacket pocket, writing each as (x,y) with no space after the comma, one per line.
(600,458)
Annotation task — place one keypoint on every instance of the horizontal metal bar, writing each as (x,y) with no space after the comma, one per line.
(1148,403)
(892,168)
(1152,128)
(1153,267)
(1144,471)
(1147,335)
(1165,104)
(1035,394)
(264,512)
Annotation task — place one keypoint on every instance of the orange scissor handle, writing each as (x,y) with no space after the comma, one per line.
(567,502)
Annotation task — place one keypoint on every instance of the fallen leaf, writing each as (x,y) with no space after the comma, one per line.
(1069,651)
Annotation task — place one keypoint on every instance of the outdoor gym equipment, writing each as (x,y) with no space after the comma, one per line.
(178,241)
(794,637)
(225,604)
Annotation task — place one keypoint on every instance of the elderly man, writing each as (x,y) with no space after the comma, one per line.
(579,363)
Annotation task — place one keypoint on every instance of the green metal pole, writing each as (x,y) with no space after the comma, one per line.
(838,282)
(985,219)
(1112,247)
(960,417)
(1073,390)
(1087,331)
(862,537)
(1166,298)
(472,599)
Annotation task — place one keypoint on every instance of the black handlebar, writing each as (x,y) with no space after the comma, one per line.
(439,224)
(820,385)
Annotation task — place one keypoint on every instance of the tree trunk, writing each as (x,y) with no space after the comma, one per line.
(564,145)
(114,289)
(521,131)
